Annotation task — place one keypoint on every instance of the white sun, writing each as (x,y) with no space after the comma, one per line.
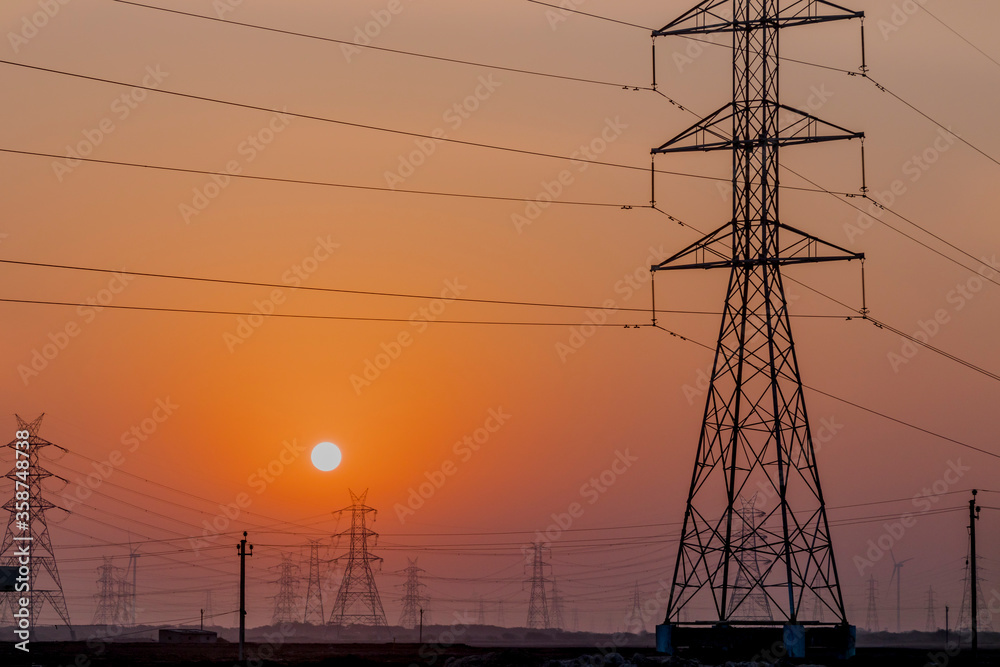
(326,456)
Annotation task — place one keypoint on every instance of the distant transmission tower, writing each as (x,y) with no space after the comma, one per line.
(109,598)
(930,625)
(557,607)
(314,589)
(500,619)
(538,604)
(984,617)
(286,601)
(208,607)
(481,613)
(749,601)
(358,601)
(871,618)
(755,433)
(43,574)
(413,597)
(633,617)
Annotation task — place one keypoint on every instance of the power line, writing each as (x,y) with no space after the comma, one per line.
(372,47)
(872,411)
(297,181)
(248,283)
(305,316)
(960,35)
(363,126)
(593,16)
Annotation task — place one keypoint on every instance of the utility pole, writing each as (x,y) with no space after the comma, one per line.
(241,549)
(202,626)
(973,567)
(421,635)
(947,629)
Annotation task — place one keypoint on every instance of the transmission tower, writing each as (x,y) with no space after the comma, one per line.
(109,594)
(755,433)
(314,590)
(633,617)
(538,604)
(500,619)
(286,601)
(208,607)
(930,625)
(413,597)
(358,601)
(871,618)
(749,601)
(557,607)
(984,616)
(43,573)
(481,612)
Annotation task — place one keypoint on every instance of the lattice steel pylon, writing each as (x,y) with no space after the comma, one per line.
(413,596)
(930,623)
(871,617)
(538,603)
(314,588)
(985,616)
(755,434)
(45,584)
(358,601)
(286,607)
(634,621)
(109,594)
(749,602)
(556,608)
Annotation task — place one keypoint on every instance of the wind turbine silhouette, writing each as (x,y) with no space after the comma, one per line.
(897,574)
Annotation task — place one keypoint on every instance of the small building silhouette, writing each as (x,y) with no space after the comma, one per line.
(187,636)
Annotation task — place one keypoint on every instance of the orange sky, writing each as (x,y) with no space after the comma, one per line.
(234,404)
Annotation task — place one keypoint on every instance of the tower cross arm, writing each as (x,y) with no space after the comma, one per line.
(717,16)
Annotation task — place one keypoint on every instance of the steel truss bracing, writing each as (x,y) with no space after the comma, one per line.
(755,438)
(43,576)
(413,597)
(538,602)
(358,601)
